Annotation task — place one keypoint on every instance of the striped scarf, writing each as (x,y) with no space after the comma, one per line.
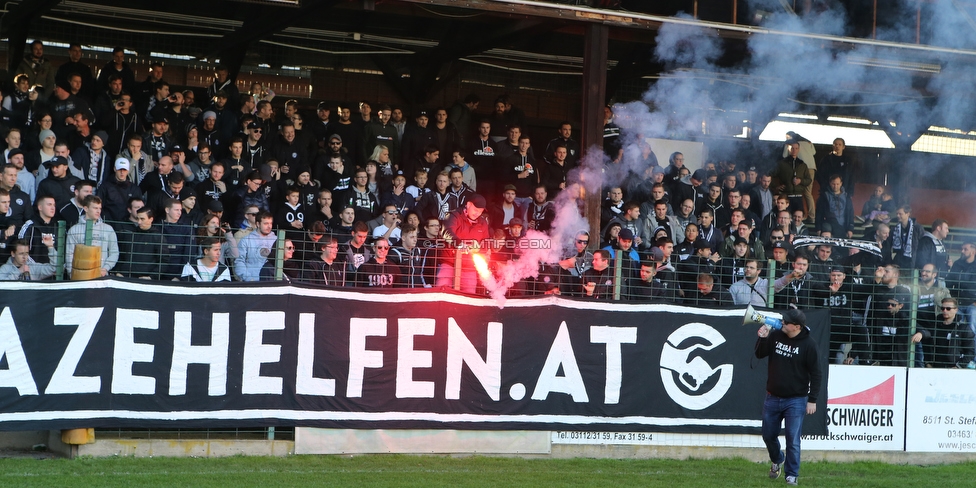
(902,242)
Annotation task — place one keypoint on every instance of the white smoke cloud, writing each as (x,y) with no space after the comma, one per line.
(559,242)
(781,73)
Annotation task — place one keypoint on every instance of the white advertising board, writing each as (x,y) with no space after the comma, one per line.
(941,410)
(865,410)
(656,439)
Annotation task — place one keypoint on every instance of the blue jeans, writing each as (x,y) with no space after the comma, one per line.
(775,410)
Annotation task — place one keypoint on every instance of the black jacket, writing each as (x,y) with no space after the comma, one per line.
(33,231)
(794,364)
(62,189)
(952,344)
(140,251)
(21,208)
(321,273)
(115,196)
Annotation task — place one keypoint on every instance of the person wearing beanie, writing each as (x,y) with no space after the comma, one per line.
(34,159)
(207,132)
(94,159)
(157,141)
(191,210)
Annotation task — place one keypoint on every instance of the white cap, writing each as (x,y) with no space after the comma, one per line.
(121,163)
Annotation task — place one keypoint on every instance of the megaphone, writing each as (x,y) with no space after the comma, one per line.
(754,317)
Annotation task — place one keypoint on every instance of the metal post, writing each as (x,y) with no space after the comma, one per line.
(913,319)
(62,246)
(918,24)
(874,20)
(457,269)
(280,256)
(617,272)
(770,278)
(89,231)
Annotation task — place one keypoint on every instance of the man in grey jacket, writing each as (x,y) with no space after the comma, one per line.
(103,236)
(255,249)
(20,266)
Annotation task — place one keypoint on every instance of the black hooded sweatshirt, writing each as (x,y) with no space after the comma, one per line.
(794,364)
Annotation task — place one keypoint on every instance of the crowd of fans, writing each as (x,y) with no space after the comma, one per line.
(173,189)
(711,234)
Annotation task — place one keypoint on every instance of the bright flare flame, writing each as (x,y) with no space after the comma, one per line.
(482,266)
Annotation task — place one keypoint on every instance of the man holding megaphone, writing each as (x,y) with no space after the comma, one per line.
(792,386)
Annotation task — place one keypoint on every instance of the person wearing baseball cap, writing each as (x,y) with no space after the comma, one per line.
(781,254)
(846,325)
(630,260)
(55,161)
(323,125)
(59,183)
(334,150)
(503,211)
(466,231)
(157,142)
(889,347)
(792,387)
(479,203)
(116,192)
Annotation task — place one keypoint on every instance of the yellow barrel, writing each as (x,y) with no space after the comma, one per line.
(77,437)
(87,263)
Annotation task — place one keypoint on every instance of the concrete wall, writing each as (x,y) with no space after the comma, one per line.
(528,444)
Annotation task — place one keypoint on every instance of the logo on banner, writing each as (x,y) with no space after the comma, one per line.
(690,383)
(882,394)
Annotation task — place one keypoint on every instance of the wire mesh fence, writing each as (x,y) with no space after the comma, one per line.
(879,314)
(213,433)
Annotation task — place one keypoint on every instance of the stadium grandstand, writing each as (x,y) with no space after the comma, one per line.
(811,155)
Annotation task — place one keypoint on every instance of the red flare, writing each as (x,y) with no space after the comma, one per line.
(481,265)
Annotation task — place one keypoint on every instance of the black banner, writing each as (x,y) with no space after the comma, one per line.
(114,353)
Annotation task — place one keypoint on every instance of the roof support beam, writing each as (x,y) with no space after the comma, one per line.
(635,64)
(261,22)
(594,97)
(431,70)
(635,20)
